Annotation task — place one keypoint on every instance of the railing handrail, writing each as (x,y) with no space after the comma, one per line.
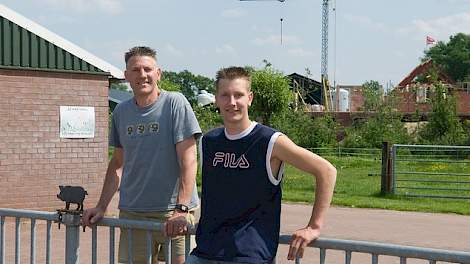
(374,248)
(387,249)
(21,213)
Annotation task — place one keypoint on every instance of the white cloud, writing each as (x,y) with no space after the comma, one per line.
(366,21)
(233,13)
(276,39)
(173,51)
(439,28)
(300,52)
(226,49)
(87,6)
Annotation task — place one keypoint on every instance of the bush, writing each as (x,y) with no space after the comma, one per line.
(208,117)
(306,131)
(384,125)
(271,94)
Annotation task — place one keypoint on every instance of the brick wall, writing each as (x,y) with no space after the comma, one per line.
(34,161)
(408,104)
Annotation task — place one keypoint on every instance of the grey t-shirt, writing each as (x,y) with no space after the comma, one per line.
(150,178)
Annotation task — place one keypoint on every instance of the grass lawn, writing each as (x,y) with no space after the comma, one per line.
(355,188)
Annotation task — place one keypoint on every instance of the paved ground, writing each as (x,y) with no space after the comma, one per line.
(406,228)
(445,231)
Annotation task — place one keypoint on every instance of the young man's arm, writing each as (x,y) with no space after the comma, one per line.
(186,152)
(325,175)
(110,186)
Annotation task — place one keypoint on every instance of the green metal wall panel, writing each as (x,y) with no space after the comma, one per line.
(20,48)
(16,47)
(68,61)
(84,65)
(42,53)
(6,52)
(51,56)
(34,51)
(60,58)
(76,63)
(25,48)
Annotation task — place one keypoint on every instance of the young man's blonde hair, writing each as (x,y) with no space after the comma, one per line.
(140,51)
(232,73)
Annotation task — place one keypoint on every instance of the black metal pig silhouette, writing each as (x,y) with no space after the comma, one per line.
(72,194)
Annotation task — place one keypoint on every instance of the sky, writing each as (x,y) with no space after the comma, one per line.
(378,40)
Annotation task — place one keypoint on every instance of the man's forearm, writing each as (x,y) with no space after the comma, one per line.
(111,181)
(323,195)
(110,186)
(187,154)
(187,181)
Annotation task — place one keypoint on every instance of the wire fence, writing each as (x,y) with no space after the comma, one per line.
(367,153)
(431,171)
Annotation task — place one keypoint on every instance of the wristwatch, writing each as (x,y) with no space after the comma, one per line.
(182,208)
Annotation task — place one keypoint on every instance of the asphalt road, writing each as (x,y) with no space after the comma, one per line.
(444,231)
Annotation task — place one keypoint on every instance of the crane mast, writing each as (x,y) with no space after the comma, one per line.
(326,95)
(324,56)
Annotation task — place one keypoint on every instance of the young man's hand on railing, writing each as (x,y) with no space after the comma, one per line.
(300,239)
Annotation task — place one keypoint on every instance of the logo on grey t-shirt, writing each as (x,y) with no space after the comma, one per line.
(143,129)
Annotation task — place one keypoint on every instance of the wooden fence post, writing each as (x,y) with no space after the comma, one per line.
(386,176)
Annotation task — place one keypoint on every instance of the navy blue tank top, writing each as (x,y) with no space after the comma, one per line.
(241,206)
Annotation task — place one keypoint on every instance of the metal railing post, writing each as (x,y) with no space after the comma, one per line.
(33,242)
(17,240)
(72,237)
(394,168)
(2,239)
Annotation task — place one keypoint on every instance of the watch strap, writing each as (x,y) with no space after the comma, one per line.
(182,208)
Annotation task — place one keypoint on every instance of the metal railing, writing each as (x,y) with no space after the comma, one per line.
(431,171)
(72,224)
(381,249)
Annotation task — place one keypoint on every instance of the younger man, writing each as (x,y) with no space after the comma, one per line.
(242,167)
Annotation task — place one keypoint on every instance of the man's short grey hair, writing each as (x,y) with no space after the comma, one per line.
(140,51)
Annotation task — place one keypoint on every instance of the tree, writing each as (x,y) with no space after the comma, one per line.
(444,126)
(384,125)
(372,92)
(168,85)
(271,94)
(453,57)
(189,83)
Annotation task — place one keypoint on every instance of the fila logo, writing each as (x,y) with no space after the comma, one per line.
(228,160)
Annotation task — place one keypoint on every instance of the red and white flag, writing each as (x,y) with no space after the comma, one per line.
(430,40)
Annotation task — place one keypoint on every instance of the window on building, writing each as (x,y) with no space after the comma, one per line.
(421,94)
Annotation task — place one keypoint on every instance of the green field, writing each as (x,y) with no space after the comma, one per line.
(358,185)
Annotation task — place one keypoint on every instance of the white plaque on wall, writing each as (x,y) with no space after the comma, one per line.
(77,122)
